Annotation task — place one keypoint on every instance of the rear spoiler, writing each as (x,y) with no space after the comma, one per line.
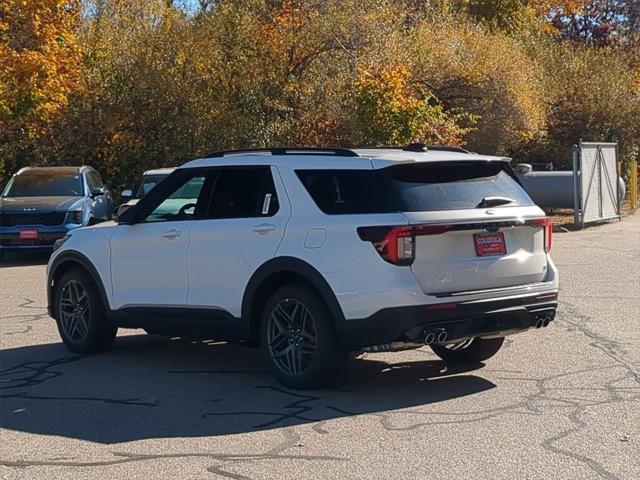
(378,163)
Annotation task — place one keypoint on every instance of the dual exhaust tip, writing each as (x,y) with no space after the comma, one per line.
(436,336)
(543,322)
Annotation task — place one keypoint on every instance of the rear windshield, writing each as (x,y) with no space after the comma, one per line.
(45,184)
(412,188)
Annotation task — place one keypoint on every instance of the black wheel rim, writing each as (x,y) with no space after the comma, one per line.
(292,337)
(74,311)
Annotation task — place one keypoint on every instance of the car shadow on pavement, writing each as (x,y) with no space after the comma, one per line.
(154,387)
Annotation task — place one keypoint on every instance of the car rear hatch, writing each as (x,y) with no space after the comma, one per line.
(472,224)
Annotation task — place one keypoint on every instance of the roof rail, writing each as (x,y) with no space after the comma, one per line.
(340,152)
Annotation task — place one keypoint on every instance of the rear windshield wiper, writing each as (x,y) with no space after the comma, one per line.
(494,202)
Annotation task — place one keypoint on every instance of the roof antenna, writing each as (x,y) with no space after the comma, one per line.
(415,147)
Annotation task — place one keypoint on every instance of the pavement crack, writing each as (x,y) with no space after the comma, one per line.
(569,316)
(37,372)
(293,410)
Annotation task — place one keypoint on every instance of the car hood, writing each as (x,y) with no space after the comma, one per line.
(40,204)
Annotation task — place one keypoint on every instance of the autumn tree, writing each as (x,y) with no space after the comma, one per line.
(600,22)
(393,111)
(40,66)
(128,85)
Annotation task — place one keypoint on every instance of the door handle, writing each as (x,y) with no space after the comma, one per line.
(171,234)
(264,228)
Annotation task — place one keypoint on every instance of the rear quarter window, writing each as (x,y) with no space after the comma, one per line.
(412,188)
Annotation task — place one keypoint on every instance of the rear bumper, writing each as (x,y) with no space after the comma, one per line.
(479,318)
(10,238)
(26,248)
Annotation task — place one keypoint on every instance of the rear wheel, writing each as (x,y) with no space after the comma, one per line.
(469,351)
(299,340)
(80,314)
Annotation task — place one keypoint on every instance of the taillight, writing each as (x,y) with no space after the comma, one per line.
(397,244)
(547,224)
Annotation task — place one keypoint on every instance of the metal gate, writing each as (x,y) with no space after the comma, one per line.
(595,173)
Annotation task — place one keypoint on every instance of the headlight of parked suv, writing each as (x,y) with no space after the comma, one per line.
(75,216)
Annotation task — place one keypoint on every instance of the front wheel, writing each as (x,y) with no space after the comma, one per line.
(80,314)
(299,340)
(469,352)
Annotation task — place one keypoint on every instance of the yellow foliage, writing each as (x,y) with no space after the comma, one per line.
(484,74)
(40,59)
(392,111)
(136,84)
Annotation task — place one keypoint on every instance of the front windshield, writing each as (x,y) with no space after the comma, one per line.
(148,183)
(44,184)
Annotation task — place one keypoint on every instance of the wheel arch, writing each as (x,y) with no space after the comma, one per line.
(65,262)
(278,272)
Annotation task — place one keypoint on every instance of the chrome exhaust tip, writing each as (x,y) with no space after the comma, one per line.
(430,338)
(546,322)
(442,336)
(539,323)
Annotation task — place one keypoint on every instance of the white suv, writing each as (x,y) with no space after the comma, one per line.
(313,253)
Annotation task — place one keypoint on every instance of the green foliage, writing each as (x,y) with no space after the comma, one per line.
(392,112)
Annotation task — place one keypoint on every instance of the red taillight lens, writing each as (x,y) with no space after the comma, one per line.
(547,224)
(397,244)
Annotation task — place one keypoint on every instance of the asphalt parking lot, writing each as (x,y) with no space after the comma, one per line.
(561,402)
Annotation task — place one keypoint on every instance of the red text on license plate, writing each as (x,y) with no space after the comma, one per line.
(28,234)
(490,243)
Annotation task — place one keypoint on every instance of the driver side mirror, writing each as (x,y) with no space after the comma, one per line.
(124,211)
(97,191)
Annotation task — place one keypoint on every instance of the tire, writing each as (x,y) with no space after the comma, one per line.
(479,350)
(83,324)
(296,320)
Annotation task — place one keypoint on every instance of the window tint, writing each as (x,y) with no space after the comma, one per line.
(45,183)
(344,191)
(181,203)
(92,181)
(412,188)
(242,193)
(99,181)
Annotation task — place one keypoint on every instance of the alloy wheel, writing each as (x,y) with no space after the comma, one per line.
(74,311)
(292,336)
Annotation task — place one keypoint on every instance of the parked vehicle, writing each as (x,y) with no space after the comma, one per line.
(40,205)
(150,179)
(313,253)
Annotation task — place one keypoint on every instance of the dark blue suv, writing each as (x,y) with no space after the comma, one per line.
(39,205)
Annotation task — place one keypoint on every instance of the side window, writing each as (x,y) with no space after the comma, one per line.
(345,191)
(92,181)
(244,193)
(181,203)
(98,179)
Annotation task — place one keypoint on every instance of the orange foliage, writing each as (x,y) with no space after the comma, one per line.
(41,60)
